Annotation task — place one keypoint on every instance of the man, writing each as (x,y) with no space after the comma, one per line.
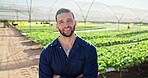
(68,56)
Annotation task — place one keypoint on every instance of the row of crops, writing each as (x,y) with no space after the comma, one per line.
(115,48)
(53,28)
(97,38)
(122,56)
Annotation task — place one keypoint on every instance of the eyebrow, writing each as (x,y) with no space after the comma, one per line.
(62,19)
(69,18)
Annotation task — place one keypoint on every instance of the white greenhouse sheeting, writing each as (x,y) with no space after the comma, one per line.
(91,10)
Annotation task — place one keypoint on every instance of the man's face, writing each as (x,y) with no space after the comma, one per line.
(66,24)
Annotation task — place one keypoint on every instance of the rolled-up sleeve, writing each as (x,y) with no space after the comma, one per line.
(45,70)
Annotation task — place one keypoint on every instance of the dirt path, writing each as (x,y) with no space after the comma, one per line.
(18,55)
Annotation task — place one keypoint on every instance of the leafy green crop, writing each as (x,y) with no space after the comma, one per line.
(122,56)
(99,38)
(53,28)
(115,48)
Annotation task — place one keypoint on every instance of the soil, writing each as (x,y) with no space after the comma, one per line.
(19,55)
(140,71)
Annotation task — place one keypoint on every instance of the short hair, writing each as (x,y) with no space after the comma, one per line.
(63,10)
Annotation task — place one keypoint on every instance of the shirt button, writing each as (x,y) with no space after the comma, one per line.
(60,47)
(66,59)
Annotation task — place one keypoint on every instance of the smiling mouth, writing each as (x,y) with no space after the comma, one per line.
(67,29)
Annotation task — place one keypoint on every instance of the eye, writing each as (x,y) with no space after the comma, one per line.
(70,20)
(60,22)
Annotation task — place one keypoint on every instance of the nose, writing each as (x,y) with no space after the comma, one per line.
(66,24)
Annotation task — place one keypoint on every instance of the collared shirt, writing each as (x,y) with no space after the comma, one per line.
(82,59)
(67,52)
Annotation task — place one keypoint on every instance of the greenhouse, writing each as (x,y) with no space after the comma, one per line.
(91,10)
(116,31)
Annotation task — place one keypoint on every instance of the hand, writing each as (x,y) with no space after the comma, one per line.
(56,76)
(81,75)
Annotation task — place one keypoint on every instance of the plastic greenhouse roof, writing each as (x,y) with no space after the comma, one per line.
(90,10)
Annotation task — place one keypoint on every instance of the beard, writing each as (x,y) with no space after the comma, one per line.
(68,35)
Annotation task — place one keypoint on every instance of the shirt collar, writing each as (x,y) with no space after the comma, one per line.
(80,41)
(55,42)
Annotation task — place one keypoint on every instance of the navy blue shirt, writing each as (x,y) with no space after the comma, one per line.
(82,59)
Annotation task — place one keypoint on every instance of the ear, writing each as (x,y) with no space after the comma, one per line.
(75,22)
(57,26)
